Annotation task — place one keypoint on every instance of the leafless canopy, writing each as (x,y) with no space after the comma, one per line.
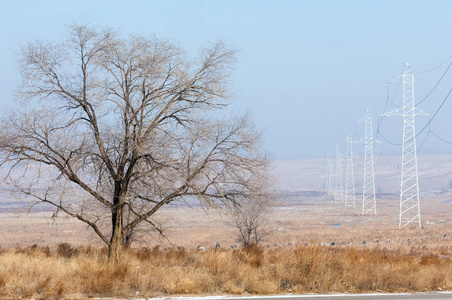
(249,219)
(121,125)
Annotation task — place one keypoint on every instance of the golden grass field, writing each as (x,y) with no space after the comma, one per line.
(292,258)
(83,273)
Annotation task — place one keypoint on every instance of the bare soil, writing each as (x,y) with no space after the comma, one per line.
(303,213)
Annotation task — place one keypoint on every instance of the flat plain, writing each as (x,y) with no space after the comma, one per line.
(302,213)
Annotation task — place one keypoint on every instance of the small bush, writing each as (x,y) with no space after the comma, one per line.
(65,250)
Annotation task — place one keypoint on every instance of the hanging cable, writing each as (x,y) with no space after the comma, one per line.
(441,139)
(382,157)
(379,158)
(441,78)
(434,67)
(382,115)
(423,142)
(395,93)
(434,115)
(380,120)
(426,125)
(388,141)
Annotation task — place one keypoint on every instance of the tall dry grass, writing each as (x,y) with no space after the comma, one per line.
(66,272)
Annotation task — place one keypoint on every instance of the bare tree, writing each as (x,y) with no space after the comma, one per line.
(248,218)
(108,126)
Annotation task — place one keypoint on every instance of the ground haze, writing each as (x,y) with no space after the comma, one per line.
(300,215)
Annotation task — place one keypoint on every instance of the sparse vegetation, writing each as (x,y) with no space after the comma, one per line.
(68,272)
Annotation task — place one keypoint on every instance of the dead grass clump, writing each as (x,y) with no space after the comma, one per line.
(252,255)
(33,249)
(146,253)
(66,250)
(102,280)
(430,260)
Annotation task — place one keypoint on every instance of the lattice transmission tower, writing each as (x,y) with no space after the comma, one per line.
(326,174)
(330,174)
(369,201)
(410,210)
(339,189)
(349,197)
(328,181)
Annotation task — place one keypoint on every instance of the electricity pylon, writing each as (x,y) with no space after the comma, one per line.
(339,192)
(330,176)
(328,183)
(349,175)
(410,210)
(369,201)
(331,183)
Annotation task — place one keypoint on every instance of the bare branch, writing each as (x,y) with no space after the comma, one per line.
(124,123)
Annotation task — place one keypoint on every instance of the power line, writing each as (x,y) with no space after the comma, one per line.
(422,130)
(441,139)
(398,85)
(434,67)
(432,133)
(395,93)
(381,157)
(441,78)
(380,120)
(388,141)
(423,142)
(434,115)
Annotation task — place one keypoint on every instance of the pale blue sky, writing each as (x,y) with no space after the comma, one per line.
(307,70)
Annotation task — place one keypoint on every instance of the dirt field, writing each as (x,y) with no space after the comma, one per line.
(320,221)
(302,215)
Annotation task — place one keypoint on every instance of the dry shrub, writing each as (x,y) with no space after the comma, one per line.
(37,272)
(430,260)
(65,250)
(252,255)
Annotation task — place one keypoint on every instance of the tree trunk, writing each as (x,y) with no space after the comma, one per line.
(117,235)
(115,249)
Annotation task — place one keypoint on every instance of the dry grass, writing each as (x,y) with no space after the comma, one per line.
(414,259)
(81,273)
